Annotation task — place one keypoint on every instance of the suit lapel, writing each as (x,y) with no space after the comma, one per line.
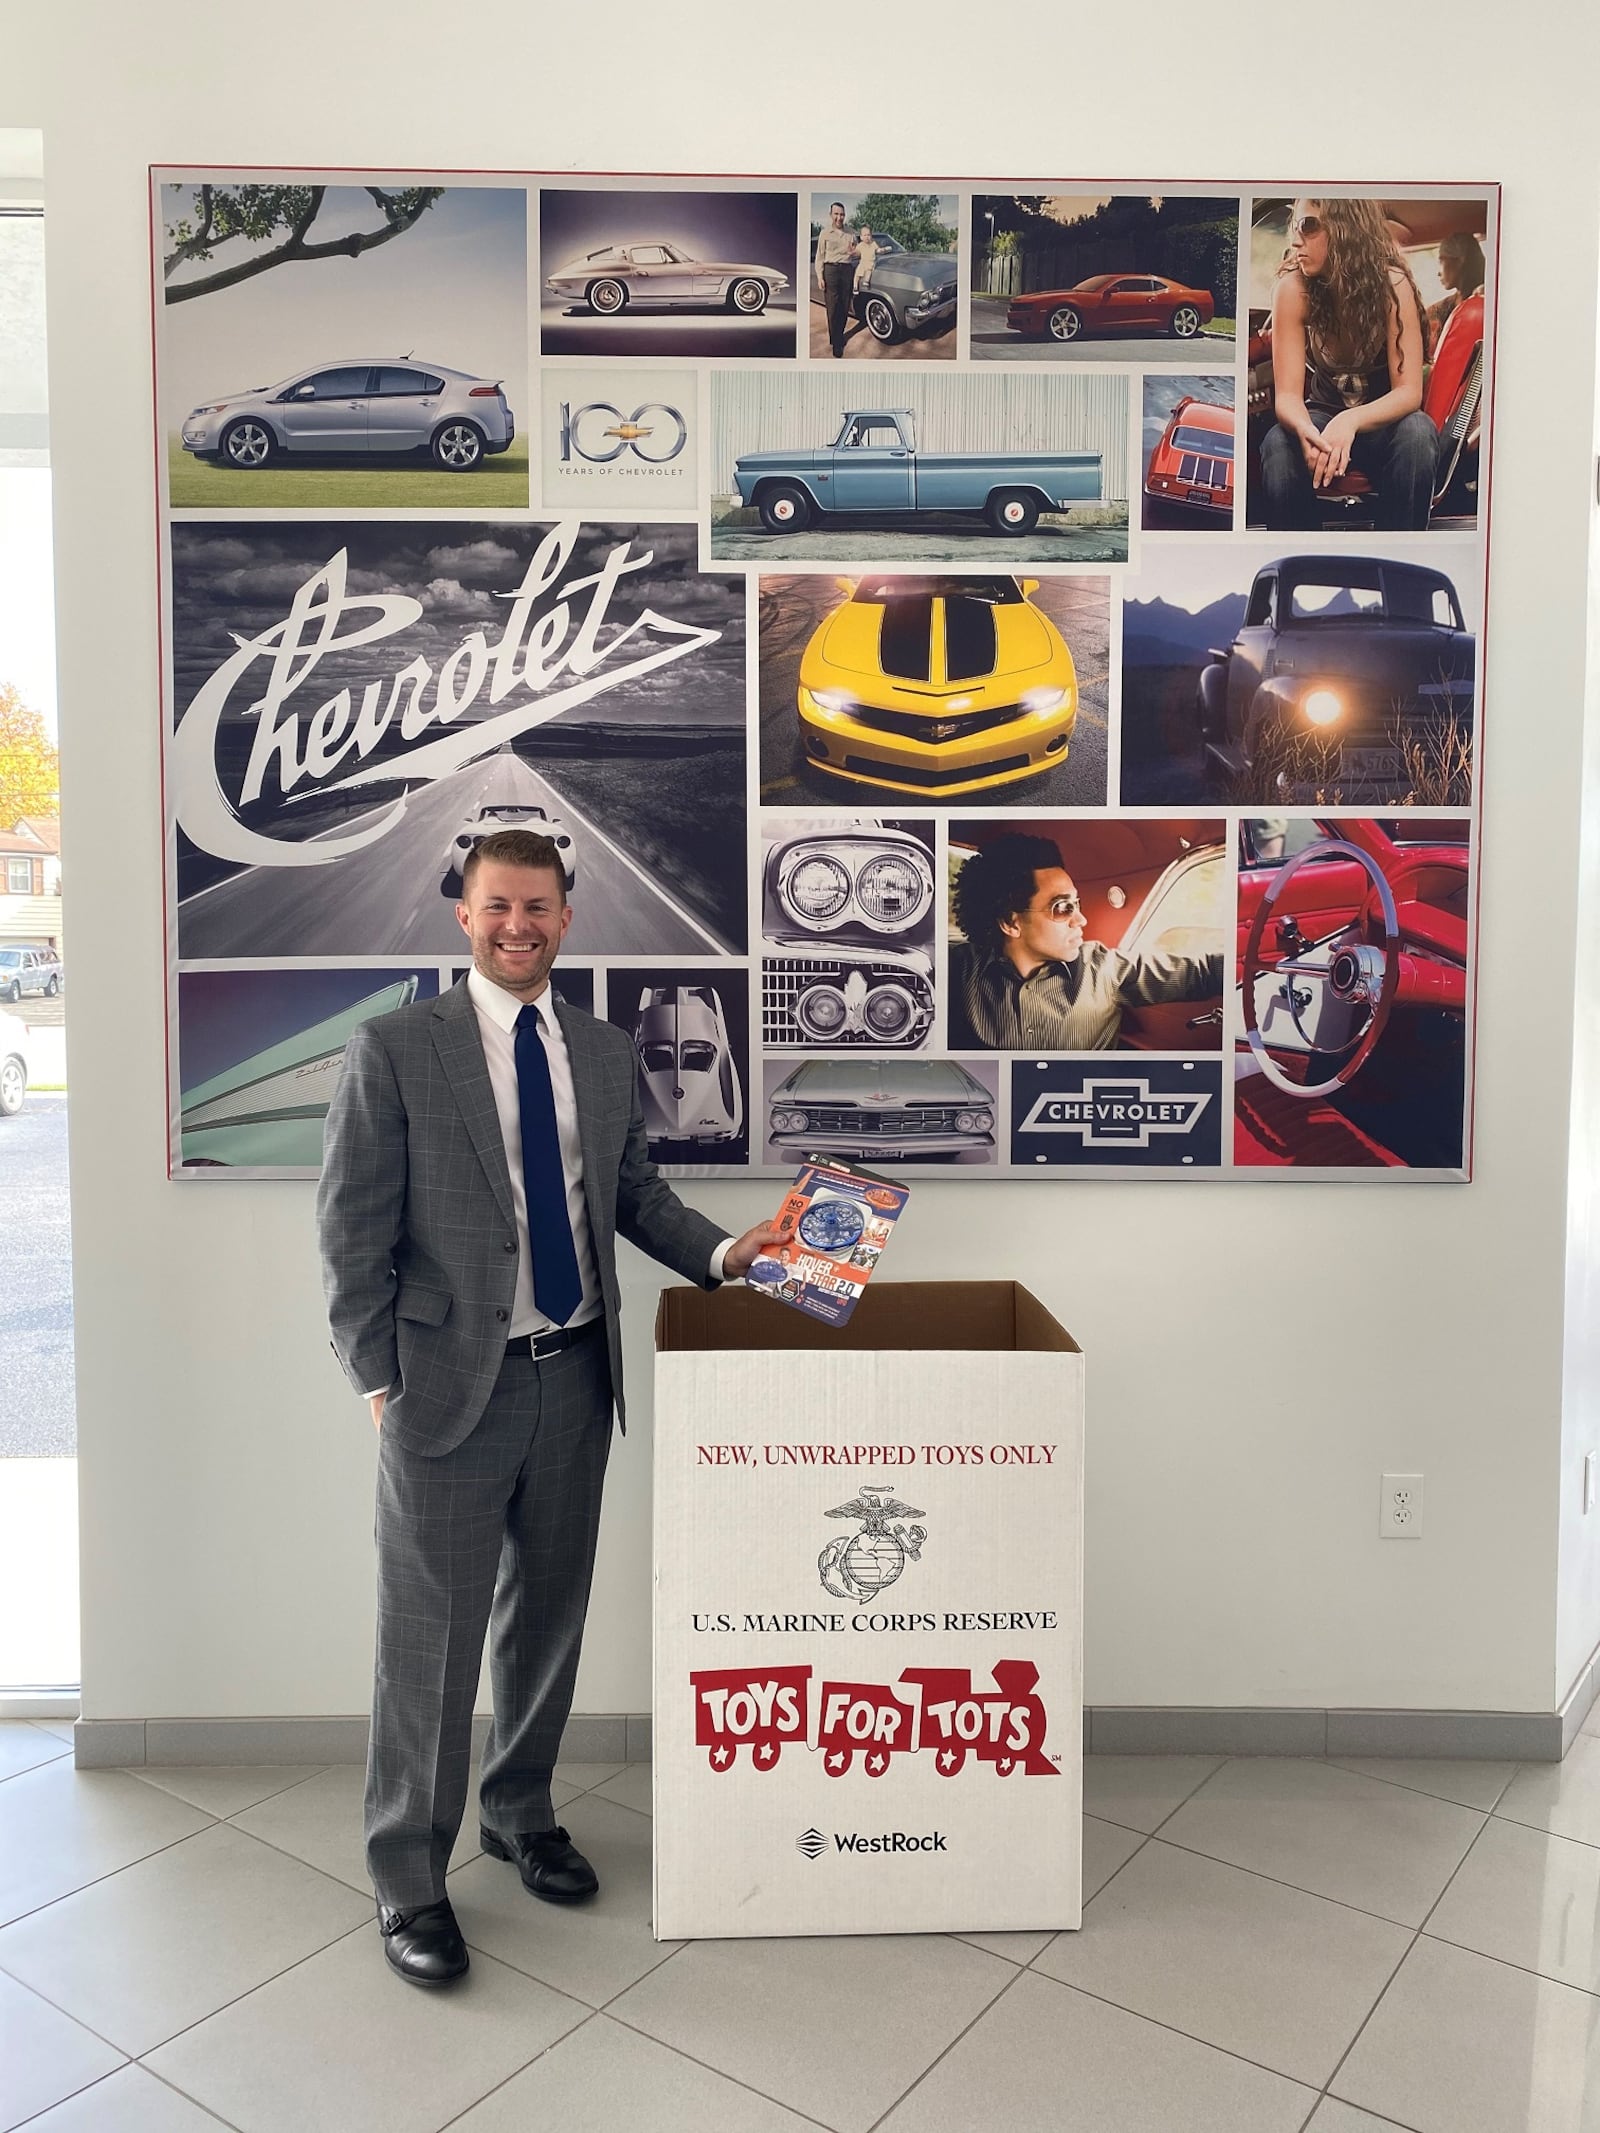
(460,1050)
(586,1091)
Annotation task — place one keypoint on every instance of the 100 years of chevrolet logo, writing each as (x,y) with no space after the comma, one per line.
(547,659)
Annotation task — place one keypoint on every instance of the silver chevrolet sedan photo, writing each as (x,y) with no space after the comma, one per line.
(362,407)
(617,277)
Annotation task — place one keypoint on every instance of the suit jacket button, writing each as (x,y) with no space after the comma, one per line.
(510,1245)
(502,1316)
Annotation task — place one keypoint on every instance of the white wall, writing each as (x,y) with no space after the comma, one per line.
(1257,1356)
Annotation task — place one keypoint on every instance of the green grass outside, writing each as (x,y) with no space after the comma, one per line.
(500,483)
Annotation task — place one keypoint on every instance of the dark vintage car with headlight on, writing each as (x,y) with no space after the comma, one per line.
(911,1110)
(1350,678)
(847,922)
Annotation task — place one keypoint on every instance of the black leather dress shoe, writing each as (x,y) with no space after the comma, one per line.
(424,1945)
(549,1862)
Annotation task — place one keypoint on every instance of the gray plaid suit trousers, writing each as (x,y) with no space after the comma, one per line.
(500,1532)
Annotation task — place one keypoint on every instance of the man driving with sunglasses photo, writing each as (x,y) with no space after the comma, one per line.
(1033,983)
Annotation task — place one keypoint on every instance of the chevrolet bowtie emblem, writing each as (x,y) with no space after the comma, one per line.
(628,431)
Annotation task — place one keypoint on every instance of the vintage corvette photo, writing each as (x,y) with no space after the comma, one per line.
(882,1111)
(847,932)
(1108,277)
(690,1031)
(950,476)
(1334,679)
(1353,956)
(625,273)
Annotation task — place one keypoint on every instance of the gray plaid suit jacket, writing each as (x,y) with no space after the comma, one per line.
(415,1216)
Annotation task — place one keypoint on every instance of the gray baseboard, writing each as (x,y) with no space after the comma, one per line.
(1108,1729)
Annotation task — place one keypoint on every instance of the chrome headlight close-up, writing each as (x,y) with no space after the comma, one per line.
(823,883)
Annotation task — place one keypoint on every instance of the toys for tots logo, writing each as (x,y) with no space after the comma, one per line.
(766,1709)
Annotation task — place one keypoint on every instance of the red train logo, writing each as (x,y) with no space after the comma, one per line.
(770,1708)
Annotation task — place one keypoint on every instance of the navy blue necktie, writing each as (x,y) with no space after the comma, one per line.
(557,1284)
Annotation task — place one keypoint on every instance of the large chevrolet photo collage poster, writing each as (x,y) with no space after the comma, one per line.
(1001,668)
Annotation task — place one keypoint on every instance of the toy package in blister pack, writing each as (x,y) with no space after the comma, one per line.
(836,1221)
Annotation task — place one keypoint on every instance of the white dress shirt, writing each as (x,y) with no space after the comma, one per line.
(497,1012)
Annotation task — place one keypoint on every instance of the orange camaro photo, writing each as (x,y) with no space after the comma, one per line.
(1112,303)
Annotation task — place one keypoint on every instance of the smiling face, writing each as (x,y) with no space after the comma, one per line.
(1308,237)
(1050,930)
(516,918)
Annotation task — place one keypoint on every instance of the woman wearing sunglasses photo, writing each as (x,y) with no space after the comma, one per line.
(1348,345)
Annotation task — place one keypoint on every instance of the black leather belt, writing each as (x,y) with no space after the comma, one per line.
(537,1346)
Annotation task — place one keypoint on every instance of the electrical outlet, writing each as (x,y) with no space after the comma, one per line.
(1400,1508)
(1588,1482)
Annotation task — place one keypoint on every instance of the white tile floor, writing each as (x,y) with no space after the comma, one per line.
(1268,1946)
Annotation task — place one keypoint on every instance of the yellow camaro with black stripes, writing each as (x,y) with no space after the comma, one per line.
(949,685)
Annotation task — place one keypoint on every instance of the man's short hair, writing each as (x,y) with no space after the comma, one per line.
(514,848)
(839,204)
(997,882)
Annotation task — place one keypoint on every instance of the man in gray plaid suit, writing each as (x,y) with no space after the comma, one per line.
(482,1154)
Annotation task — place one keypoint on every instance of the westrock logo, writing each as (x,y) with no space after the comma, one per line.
(1167,1112)
(768,1709)
(548,658)
(814,1843)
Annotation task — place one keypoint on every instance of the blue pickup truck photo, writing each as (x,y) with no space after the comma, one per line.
(873,465)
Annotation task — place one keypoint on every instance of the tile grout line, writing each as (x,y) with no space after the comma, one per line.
(1135,2014)
(766,2095)
(1403,1924)
(987,2009)
(1327,2087)
(591,2015)
(94,1881)
(259,1986)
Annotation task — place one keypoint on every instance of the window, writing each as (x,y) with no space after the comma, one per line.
(391,380)
(698,1056)
(337,384)
(650,255)
(1333,603)
(874,433)
(1272,840)
(1263,600)
(1216,444)
(657,1058)
(19,877)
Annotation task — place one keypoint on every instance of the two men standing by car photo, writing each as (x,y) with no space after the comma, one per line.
(483,1152)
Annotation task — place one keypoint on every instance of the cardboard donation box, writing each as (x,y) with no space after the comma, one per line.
(868,1604)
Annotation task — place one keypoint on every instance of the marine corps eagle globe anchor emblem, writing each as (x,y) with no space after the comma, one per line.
(858,1566)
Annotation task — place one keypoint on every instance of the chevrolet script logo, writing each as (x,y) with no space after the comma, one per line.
(1122,1113)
